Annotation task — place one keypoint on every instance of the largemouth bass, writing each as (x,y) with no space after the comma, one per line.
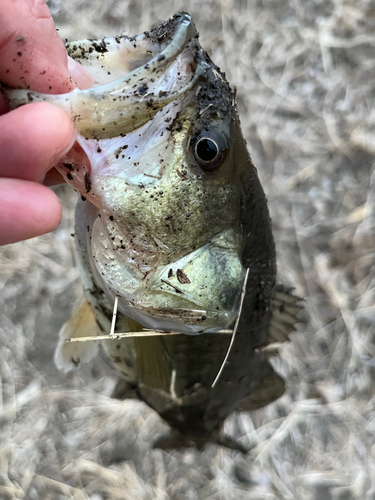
(172,216)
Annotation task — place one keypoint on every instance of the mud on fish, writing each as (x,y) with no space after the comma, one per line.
(172,215)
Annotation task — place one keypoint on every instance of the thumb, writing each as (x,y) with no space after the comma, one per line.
(32,55)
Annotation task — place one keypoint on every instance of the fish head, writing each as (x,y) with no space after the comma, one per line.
(162,164)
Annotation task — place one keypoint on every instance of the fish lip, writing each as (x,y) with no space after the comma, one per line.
(95,111)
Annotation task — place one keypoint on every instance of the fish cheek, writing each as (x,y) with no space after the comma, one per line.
(164,217)
(112,266)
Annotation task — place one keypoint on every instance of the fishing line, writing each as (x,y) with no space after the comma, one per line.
(234,330)
(114,316)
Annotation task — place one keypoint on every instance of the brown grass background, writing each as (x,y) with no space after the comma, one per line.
(305,73)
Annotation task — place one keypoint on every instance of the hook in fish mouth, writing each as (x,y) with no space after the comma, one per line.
(114,108)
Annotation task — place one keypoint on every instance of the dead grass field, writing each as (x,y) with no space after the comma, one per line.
(305,73)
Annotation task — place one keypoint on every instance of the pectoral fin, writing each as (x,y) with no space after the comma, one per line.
(69,355)
(285,309)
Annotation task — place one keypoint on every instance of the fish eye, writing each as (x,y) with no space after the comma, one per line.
(210,150)
(206,149)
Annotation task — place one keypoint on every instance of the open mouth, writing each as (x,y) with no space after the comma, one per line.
(156,68)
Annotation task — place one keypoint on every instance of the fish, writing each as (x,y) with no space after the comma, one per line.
(173,228)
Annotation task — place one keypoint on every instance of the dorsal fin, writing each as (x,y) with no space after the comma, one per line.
(285,309)
(82,323)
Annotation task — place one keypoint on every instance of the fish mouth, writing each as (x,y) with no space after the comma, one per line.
(118,106)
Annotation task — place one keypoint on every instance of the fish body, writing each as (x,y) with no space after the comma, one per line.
(172,216)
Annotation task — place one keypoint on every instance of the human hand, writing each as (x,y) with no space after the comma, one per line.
(33,138)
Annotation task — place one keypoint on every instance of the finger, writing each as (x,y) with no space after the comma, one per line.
(31,52)
(32,55)
(27,209)
(33,139)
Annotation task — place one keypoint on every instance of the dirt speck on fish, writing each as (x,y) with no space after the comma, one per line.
(175,215)
(181,276)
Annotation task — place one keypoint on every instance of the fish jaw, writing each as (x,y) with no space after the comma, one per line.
(119,106)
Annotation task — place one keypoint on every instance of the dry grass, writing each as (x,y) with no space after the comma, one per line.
(305,73)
